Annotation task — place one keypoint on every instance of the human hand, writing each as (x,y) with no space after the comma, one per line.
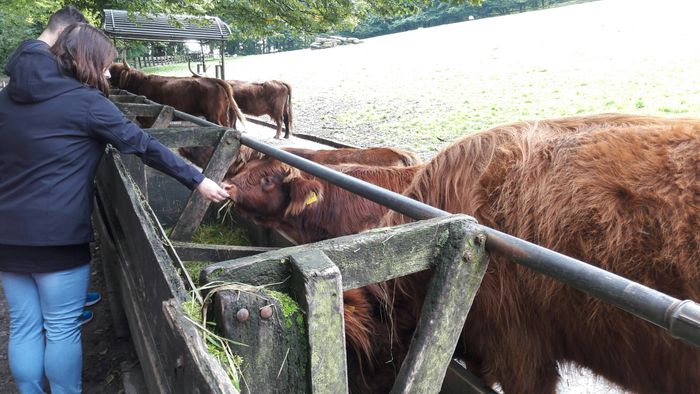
(211,191)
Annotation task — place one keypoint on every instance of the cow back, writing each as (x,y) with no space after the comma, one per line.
(617,191)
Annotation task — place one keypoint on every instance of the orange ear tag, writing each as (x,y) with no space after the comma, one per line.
(312,199)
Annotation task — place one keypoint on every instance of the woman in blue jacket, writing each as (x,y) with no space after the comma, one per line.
(55,121)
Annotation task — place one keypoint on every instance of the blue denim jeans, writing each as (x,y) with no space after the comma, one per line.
(45,310)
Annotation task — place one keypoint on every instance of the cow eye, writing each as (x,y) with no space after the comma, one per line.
(266,183)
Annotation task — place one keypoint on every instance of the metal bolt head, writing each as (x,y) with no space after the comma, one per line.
(242,315)
(266,311)
(480,239)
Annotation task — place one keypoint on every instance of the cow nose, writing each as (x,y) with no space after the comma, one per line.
(231,190)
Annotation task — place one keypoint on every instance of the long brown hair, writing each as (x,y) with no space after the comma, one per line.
(84,52)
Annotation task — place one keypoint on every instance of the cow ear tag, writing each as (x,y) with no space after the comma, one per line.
(311,199)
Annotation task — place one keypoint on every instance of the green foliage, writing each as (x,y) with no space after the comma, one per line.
(15,29)
(259,26)
(442,12)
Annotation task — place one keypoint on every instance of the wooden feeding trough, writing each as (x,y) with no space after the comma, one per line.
(281,305)
(298,348)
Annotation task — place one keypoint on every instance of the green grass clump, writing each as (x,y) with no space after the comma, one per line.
(194,268)
(220,234)
(217,346)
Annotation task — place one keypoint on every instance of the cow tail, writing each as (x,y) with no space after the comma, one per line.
(233,111)
(287,117)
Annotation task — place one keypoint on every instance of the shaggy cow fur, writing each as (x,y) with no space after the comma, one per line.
(272,98)
(619,192)
(208,97)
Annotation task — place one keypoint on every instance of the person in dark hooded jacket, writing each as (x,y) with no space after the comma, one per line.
(55,121)
(58,21)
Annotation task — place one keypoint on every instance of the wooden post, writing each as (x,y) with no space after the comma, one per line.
(196,206)
(164,117)
(317,283)
(272,346)
(460,266)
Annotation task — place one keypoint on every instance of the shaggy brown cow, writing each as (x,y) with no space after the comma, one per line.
(306,208)
(379,156)
(272,98)
(208,97)
(620,192)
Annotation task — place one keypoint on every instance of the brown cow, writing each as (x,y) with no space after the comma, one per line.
(272,98)
(620,192)
(208,97)
(378,156)
(306,208)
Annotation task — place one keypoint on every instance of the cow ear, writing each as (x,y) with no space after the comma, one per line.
(303,193)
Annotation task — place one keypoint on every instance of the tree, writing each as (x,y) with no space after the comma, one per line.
(252,19)
(260,18)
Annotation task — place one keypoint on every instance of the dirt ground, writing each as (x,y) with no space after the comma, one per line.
(103,351)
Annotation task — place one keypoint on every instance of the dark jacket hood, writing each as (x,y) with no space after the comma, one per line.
(34,74)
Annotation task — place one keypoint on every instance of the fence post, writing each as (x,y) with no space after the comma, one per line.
(317,283)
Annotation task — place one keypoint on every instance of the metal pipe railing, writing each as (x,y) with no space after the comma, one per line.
(680,318)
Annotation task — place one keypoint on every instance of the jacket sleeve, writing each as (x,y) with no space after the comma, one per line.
(108,124)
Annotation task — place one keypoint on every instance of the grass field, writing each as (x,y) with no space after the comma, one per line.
(424,88)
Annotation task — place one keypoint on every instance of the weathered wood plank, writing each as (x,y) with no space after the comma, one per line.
(274,347)
(186,337)
(165,116)
(137,171)
(362,258)
(196,206)
(193,136)
(201,252)
(147,277)
(110,266)
(127,98)
(317,283)
(131,109)
(458,271)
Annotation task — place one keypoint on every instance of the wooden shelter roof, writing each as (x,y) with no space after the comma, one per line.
(161,27)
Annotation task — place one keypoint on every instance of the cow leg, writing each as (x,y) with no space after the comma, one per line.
(279,130)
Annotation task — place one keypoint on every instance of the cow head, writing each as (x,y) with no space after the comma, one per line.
(269,190)
(116,70)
